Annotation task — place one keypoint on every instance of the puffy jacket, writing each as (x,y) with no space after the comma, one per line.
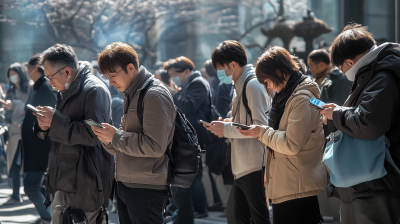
(375,93)
(295,170)
(140,150)
(78,164)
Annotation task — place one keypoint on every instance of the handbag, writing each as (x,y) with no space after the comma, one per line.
(351,161)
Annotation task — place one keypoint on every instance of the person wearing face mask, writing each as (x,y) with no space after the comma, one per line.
(195,102)
(333,84)
(247,200)
(36,151)
(371,110)
(16,98)
(80,172)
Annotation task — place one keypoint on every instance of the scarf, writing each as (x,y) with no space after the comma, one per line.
(280,99)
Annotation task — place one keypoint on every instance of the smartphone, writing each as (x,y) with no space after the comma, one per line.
(93,123)
(32,108)
(241,126)
(317,103)
(204,122)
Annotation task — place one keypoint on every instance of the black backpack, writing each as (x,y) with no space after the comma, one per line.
(184,156)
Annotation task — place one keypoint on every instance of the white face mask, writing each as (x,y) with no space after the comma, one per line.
(177,80)
(14,79)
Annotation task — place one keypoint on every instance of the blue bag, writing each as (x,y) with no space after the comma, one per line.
(351,161)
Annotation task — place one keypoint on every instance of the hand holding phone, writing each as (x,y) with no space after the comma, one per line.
(317,104)
(91,122)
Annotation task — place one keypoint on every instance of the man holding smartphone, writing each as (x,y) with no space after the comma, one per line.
(80,172)
(247,200)
(141,162)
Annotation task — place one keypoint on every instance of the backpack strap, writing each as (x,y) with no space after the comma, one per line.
(244,97)
(139,108)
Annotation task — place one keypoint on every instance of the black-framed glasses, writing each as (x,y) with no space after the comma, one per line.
(105,76)
(50,78)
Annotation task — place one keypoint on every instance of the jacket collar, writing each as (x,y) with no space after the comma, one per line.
(247,71)
(139,83)
(75,86)
(364,60)
(39,82)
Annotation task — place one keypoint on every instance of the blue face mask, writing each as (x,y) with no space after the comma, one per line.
(223,77)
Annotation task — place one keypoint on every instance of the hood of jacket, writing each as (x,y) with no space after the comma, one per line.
(305,88)
(247,71)
(385,57)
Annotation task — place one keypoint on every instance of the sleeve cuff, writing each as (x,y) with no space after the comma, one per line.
(227,125)
(115,140)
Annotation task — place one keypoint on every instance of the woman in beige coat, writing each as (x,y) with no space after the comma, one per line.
(294,140)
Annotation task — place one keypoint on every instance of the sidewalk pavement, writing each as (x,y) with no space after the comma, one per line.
(26,213)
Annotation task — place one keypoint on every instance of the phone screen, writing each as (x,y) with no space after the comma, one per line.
(317,103)
(204,122)
(93,123)
(241,126)
(32,108)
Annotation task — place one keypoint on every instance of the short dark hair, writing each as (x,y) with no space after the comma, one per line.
(117,54)
(228,51)
(211,71)
(275,64)
(320,55)
(351,42)
(35,60)
(23,77)
(180,63)
(300,63)
(164,75)
(60,54)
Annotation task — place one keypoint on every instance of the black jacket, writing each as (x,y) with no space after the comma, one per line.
(376,93)
(78,163)
(36,151)
(335,88)
(222,97)
(117,110)
(194,101)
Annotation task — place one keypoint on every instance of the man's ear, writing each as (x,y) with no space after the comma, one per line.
(350,62)
(130,68)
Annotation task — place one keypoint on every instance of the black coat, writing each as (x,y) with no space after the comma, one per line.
(376,93)
(335,88)
(194,101)
(222,97)
(36,151)
(78,163)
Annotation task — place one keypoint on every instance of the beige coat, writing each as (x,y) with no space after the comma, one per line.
(295,170)
(140,150)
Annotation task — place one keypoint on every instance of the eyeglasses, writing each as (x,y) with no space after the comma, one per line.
(50,78)
(105,76)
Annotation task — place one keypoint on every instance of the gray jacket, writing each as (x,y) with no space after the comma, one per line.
(247,152)
(78,164)
(141,161)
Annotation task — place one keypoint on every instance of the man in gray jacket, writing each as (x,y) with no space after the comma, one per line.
(141,162)
(80,171)
(247,154)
